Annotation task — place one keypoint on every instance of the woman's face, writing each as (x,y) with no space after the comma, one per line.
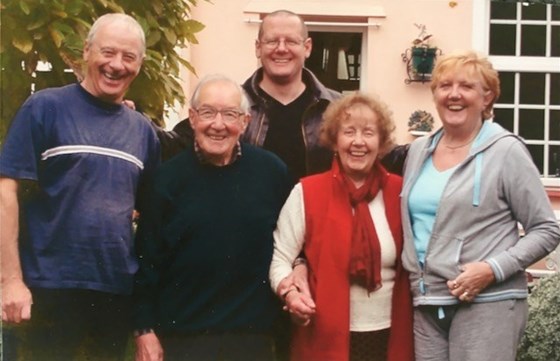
(460,98)
(357,142)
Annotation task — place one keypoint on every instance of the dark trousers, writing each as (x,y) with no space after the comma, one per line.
(71,325)
(369,346)
(218,347)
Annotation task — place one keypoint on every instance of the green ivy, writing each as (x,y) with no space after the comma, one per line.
(541,341)
(54,30)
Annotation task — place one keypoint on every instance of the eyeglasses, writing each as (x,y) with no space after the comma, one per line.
(274,43)
(210,113)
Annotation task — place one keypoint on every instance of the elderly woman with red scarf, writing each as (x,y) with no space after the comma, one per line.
(347,222)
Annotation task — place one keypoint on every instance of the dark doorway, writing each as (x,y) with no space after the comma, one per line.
(335,59)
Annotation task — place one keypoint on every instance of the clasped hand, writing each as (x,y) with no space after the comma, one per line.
(294,289)
(474,277)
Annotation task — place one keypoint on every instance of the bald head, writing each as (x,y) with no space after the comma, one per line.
(287,14)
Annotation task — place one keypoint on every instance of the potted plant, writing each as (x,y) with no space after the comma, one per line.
(421,56)
(420,123)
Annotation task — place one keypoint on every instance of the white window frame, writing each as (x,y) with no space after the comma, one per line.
(481,41)
(347,29)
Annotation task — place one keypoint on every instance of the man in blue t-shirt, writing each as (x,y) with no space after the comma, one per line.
(68,260)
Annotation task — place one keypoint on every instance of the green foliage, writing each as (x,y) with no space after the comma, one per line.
(53,31)
(541,341)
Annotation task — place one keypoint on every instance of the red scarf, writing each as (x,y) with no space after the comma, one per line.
(365,252)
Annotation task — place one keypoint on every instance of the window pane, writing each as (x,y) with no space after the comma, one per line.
(554,130)
(537,153)
(554,161)
(533,40)
(555,89)
(507,86)
(555,12)
(502,39)
(555,41)
(503,10)
(531,124)
(504,117)
(531,88)
(533,12)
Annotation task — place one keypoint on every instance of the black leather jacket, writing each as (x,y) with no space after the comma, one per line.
(317,158)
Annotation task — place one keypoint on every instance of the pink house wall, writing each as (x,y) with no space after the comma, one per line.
(226,45)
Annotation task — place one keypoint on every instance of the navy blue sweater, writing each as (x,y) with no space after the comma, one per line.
(205,245)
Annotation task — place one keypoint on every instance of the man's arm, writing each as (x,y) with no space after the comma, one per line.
(16,297)
(394,160)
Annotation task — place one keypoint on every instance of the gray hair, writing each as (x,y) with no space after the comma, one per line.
(118,17)
(216,78)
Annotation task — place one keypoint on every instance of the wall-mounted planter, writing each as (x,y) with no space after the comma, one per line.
(423,60)
(420,63)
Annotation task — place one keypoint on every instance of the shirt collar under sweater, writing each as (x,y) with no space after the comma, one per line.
(204,160)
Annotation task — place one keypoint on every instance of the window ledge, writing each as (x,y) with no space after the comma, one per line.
(334,8)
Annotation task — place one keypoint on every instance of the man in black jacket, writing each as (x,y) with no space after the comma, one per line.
(287,102)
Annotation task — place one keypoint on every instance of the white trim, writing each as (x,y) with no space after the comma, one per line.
(355,8)
(480,25)
(74,149)
(525,64)
(324,23)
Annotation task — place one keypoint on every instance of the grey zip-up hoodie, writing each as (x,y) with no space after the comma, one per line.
(495,187)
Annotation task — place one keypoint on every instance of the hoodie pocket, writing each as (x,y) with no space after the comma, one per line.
(443,255)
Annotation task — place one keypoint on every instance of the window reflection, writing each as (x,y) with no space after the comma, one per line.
(531,124)
(507,87)
(554,125)
(502,39)
(533,12)
(537,153)
(504,117)
(531,88)
(529,46)
(554,161)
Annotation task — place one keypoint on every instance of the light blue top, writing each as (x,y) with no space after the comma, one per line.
(423,204)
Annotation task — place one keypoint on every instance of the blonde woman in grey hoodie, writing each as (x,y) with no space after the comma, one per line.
(466,187)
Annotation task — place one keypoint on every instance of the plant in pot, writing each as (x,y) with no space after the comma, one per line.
(420,123)
(422,53)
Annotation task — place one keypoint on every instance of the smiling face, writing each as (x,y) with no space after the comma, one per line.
(357,142)
(113,57)
(460,98)
(282,48)
(217,136)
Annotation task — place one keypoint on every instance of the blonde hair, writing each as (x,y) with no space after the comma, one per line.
(338,111)
(478,64)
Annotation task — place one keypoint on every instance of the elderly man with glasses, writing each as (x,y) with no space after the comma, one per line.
(206,243)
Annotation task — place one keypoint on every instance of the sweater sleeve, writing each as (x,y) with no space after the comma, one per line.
(288,237)
(151,252)
(530,206)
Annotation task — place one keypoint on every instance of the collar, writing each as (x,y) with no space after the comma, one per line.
(204,160)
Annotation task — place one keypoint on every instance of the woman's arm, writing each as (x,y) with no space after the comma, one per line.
(291,284)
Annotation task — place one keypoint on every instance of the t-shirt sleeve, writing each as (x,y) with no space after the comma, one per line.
(24,143)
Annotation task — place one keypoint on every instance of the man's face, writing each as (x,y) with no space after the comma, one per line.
(217,134)
(113,59)
(282,48)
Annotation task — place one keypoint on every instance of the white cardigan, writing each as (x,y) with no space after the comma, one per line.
(367,313)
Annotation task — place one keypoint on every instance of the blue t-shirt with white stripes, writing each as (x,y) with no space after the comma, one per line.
(90,159)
